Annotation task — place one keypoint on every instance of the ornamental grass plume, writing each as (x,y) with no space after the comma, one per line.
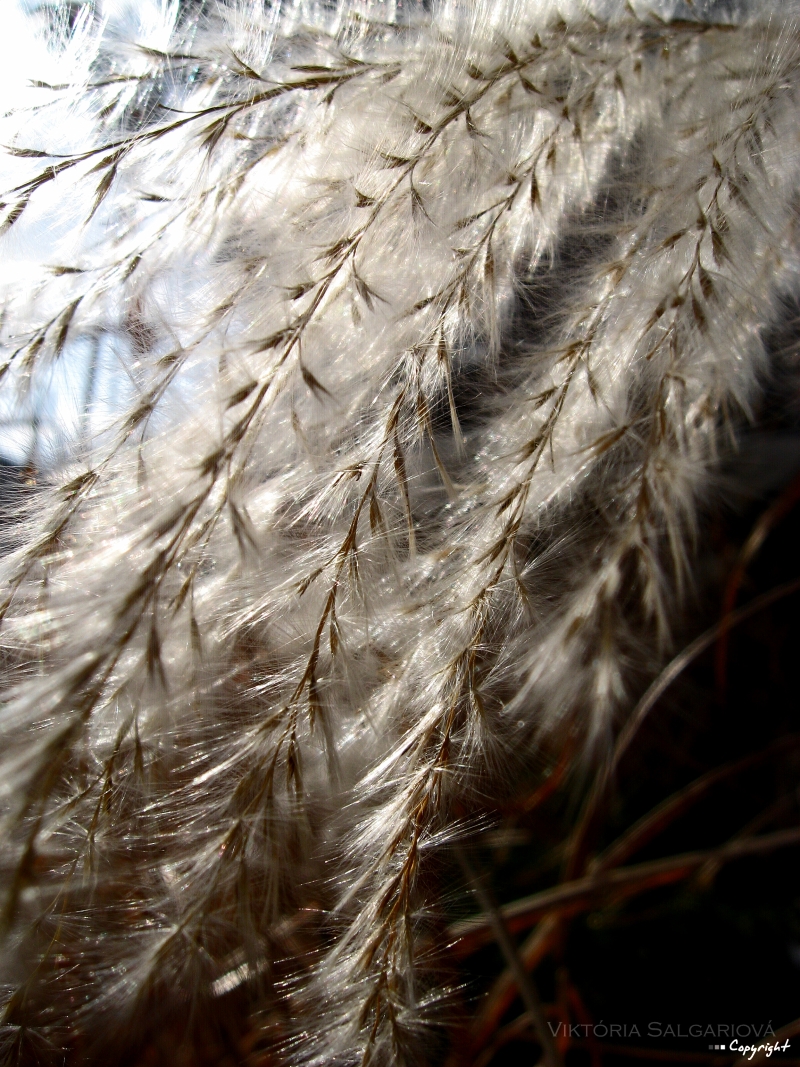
(429,329)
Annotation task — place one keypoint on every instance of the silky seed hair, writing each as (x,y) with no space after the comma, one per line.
(431,328)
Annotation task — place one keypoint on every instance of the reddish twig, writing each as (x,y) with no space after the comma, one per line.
(654,692)
(584,893)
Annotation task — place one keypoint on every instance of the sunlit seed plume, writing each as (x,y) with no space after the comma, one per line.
(372,364)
